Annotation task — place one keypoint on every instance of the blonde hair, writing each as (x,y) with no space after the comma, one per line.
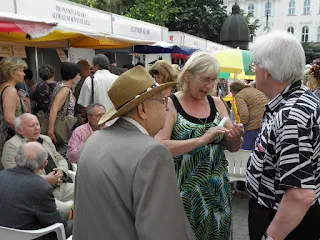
(199,62)
(167,72)
(311,81)
(8,67)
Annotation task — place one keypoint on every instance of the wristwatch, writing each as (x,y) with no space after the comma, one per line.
(266,237)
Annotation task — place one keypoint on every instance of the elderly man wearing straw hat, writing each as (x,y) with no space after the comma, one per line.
(126,183)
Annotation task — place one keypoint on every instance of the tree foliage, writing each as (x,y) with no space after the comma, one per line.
(253,25)
(202,18)
(152,11)
(114,6)
(311,50)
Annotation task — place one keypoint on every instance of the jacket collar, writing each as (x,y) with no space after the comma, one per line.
(279,100)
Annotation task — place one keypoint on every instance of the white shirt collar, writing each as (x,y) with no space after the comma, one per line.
(134,122)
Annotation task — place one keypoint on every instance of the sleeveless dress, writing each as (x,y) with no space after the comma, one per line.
(62,148)
(5,130)
(203,177)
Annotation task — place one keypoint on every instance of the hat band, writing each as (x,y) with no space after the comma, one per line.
(147,90)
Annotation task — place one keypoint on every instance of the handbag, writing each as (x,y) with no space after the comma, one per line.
(43,121)
(64,123)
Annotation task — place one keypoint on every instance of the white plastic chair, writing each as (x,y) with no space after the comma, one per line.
(16,234)
(237,166)
(74,167)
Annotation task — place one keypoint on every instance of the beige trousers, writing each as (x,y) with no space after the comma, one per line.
(64,192)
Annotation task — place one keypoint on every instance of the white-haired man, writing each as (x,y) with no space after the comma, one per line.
(126,183)
(56,172)
(283,176)
(27,200)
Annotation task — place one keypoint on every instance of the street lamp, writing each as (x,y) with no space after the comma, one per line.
(268,10)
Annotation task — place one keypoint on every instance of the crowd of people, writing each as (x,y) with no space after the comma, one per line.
(149,147)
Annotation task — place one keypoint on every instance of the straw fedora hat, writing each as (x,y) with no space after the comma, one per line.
(129,90)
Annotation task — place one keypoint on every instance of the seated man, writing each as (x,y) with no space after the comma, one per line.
(56,172)
(27,200)
(81,134)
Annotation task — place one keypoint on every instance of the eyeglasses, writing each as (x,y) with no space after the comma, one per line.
(252,66)
(98,115)
(163,101)
(205,80)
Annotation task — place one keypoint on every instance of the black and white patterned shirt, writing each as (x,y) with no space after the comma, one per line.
(287,150)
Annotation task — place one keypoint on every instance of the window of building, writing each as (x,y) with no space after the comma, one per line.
(290,30)
(305,34)
(251,9)
(267,10)
(292,7)
(306,7)
(318,34)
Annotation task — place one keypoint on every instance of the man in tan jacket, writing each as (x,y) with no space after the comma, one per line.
(56,172)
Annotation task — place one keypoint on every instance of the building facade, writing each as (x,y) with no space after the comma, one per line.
(300,17)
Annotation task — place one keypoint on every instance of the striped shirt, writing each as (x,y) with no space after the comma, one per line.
(287,150)
(251,105)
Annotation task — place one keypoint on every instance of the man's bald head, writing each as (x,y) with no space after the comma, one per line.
(31,155)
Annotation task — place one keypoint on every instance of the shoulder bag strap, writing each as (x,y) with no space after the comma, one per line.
(52,100)
(92,90)
(66,104)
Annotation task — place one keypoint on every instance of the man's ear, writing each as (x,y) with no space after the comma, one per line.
(266,74)
(142,109)
(19,131)
(44,164)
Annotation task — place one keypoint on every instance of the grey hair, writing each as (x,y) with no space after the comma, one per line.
(46,72)
(17,122)
(92,106)
(199,62)
(101,60)
(33,163)
(281,54)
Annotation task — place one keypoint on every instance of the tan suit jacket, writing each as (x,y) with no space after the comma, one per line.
(11,146)
(126,188)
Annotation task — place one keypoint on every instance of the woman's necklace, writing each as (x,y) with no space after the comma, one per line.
(205,121)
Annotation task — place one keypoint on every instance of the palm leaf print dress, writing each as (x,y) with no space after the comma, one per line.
(203,177)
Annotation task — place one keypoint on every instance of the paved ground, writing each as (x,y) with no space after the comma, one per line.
(240,217)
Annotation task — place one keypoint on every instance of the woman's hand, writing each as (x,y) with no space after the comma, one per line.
(212,133)
(236,132)
(234,137)
(52,136)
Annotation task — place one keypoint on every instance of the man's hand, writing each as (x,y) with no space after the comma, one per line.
(59,172)
(54,178)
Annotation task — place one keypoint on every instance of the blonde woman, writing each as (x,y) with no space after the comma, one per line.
(163,72)
(11,104)
(197,143)
(313,79)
